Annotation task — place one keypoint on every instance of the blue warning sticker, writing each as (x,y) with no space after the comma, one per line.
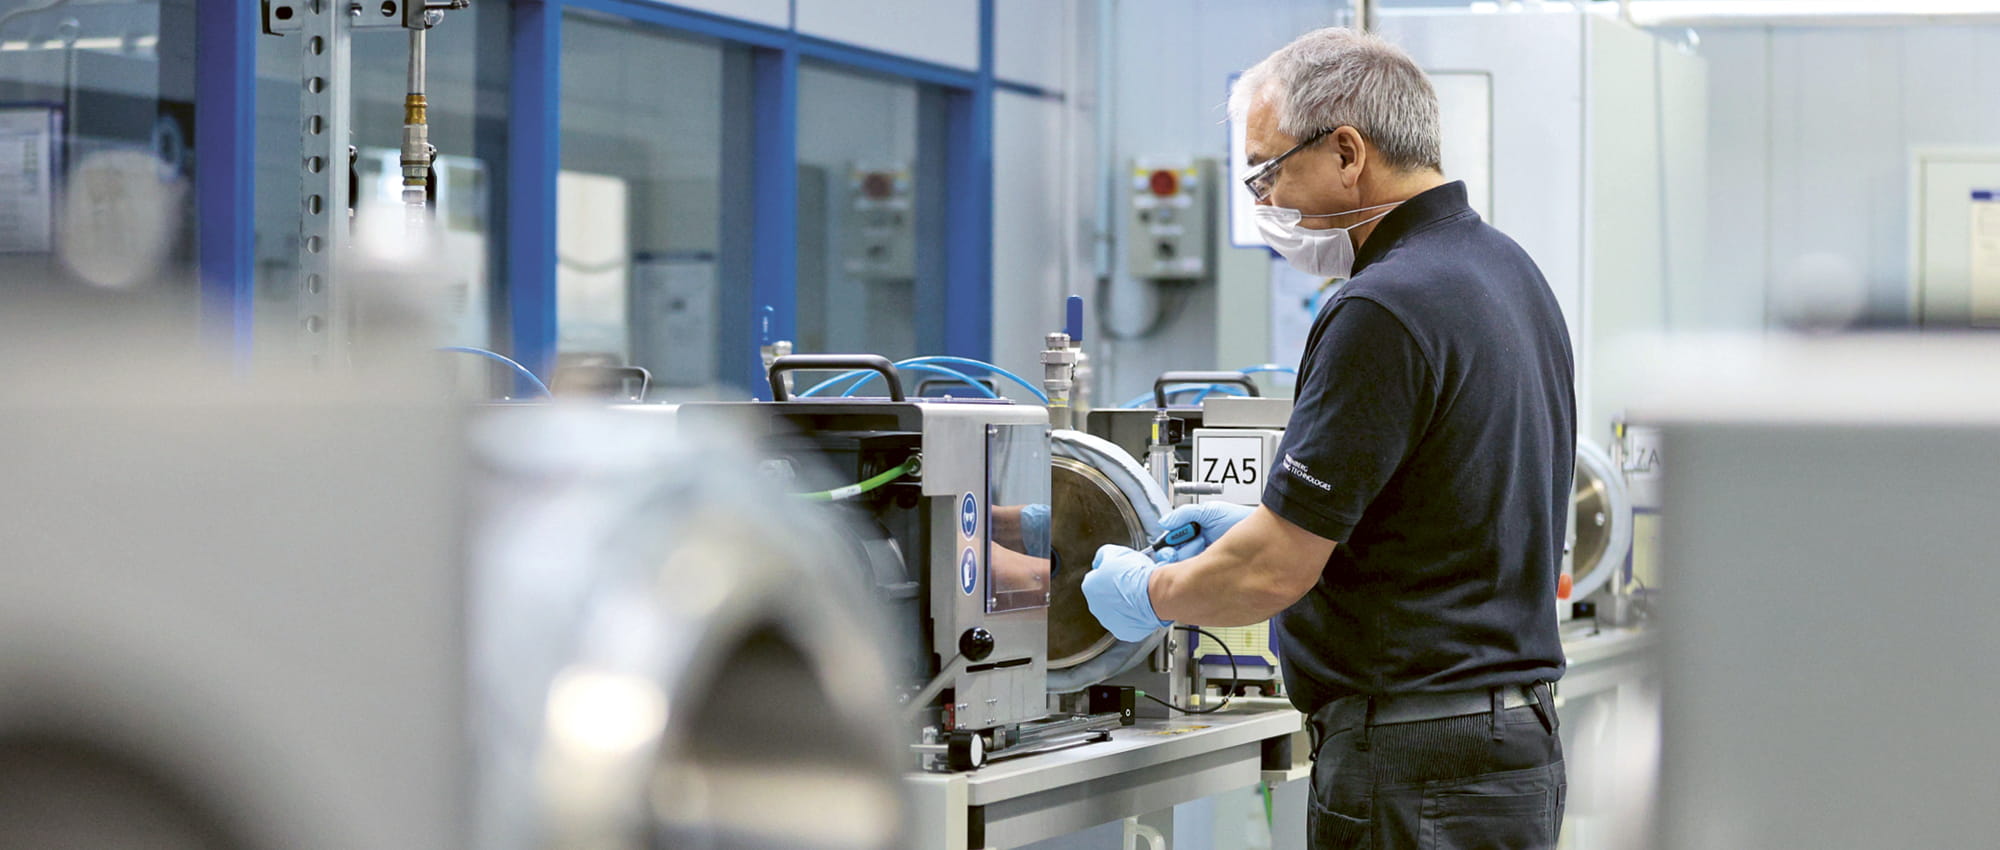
(968,570)
(968,517)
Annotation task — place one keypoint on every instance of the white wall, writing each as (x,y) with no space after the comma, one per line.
(1045,177)
(1031,40)
(1030,257)
(941,31)
(1809,150)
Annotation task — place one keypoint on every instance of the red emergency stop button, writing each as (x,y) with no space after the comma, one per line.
(877,186)
(1164,183)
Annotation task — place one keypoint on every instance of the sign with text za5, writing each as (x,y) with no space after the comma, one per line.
(1236,459)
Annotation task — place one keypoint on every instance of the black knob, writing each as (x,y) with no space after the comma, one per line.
(1583,611)
(975,644)
(965,751)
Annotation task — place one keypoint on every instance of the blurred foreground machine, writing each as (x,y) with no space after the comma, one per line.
(232,614)
(1832,505)
(251,616)
(666,654)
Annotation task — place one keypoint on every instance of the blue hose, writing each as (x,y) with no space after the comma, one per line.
(980,364)
(920,367)
(494,355)
(816,388)
(1146,399)
(1268,367)
(932,362)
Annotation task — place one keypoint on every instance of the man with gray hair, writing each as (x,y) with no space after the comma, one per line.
(1409,540)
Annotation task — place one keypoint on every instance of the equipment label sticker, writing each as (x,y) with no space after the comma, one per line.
(1234,463)
(968,570)
(968,517)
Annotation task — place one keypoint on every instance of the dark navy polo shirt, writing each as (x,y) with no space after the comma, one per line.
(1433,438)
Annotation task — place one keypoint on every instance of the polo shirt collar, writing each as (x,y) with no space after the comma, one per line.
(1423,210)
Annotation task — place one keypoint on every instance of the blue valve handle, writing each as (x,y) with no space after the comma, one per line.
(1176,536)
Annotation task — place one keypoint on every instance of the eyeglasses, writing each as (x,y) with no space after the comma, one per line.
(1260,181)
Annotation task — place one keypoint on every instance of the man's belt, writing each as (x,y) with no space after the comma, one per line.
(1416,708)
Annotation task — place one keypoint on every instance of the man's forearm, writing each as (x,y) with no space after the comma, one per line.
(1258,569)
(1216,588)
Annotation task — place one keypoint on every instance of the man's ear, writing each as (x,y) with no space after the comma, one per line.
(1353,153)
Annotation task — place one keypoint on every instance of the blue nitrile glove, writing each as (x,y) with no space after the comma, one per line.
(1117,593)
(1216,519)
(1035,530)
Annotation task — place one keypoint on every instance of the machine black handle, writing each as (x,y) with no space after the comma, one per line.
(833,362)
(1237,378)
(924,386)
(602,379)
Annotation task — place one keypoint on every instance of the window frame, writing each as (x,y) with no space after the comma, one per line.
(225,101)
(770,253)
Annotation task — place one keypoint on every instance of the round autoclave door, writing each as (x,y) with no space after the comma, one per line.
(1100,495)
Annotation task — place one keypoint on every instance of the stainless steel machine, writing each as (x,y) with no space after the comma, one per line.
(947,503)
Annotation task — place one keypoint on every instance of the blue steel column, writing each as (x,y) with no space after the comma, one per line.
(968,314)
(534,125)
(224,149)
(774,265)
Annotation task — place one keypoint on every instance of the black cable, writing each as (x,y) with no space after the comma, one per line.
(1235,676)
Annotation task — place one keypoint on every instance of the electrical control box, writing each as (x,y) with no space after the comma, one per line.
(675,301)
(1170,231)
(878,231)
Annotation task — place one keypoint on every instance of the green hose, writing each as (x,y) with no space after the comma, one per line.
(852,490)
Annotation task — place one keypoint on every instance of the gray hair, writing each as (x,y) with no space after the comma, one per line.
(1337,77)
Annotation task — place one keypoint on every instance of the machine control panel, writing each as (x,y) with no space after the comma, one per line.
(878,235)
(1171,223)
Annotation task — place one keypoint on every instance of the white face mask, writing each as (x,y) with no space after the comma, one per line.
(1320,253)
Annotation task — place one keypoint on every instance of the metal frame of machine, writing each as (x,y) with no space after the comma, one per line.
(975,667)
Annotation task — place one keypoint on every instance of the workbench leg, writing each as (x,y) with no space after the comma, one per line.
(1288,814)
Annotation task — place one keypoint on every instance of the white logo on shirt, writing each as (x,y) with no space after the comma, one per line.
(1299,471)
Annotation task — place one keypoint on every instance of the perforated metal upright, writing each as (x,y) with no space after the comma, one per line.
(326,30)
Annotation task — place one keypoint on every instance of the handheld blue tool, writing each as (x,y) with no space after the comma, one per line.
(1176,536)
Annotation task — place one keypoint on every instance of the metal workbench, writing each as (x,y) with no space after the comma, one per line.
(1145,768)
(1610,689)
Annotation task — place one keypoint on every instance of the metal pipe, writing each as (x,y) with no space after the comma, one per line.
(417,151)
(1364,15)
(418,58)
(1160,453)
(1058,377)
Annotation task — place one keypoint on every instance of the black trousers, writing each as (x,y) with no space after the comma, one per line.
(1490,781)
